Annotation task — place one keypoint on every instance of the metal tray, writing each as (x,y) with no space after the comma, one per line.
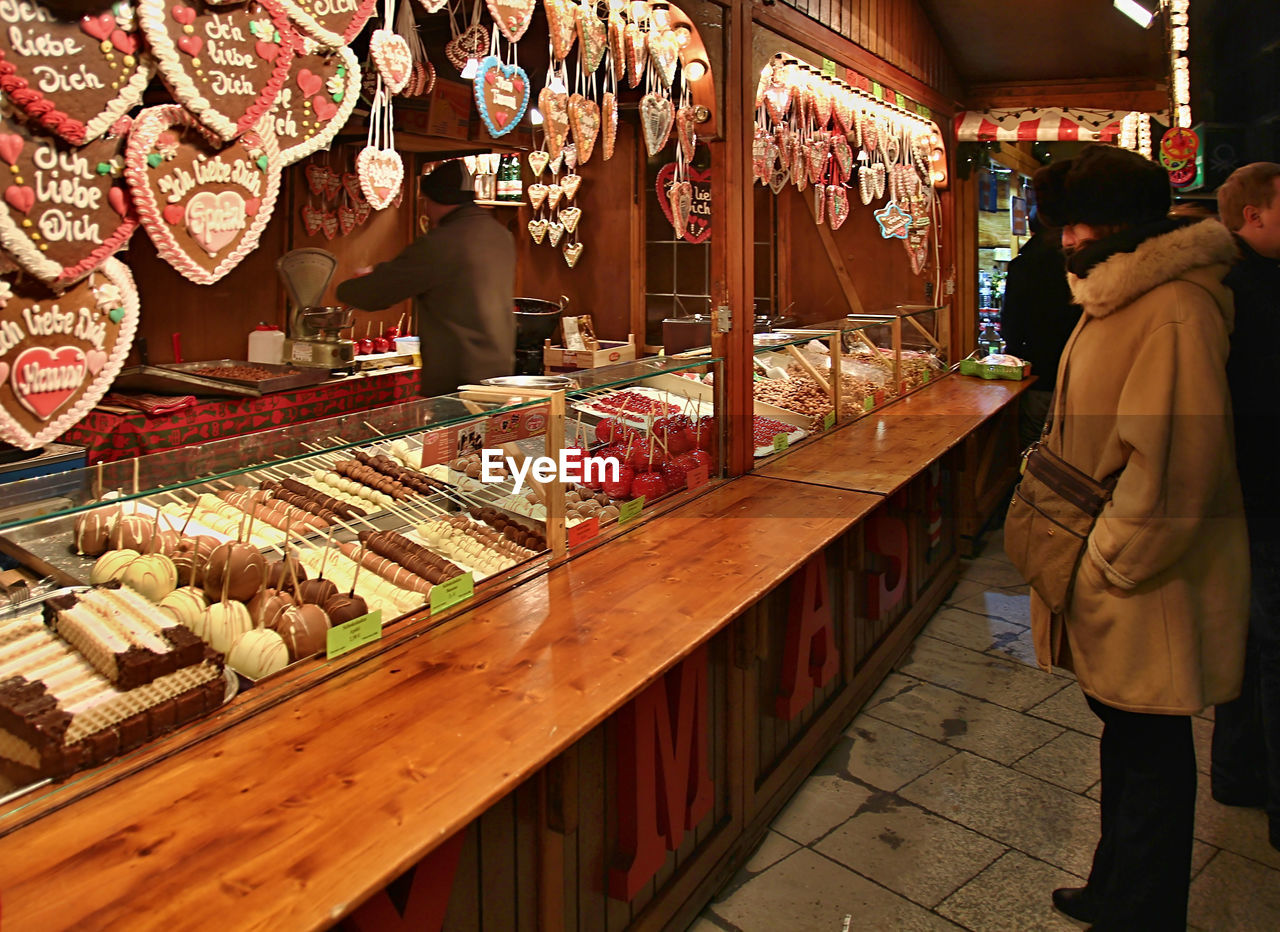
(179,379)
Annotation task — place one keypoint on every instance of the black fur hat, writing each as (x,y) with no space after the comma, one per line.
(1102,186)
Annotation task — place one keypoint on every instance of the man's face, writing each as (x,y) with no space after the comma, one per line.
(1261,228)
(1075,236)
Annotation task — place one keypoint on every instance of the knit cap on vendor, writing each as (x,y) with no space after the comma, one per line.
(1103,186)
(450,183)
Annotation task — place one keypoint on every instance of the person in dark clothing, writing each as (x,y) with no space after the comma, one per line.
(1246,732)
(461,276)
(1036,319)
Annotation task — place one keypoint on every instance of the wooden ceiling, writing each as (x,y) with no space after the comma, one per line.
(1078,53)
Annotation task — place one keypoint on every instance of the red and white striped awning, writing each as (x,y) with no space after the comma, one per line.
(1039,125)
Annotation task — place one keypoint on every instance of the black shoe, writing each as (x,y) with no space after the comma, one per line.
(1076,902)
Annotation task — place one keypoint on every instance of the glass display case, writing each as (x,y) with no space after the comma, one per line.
(169,583)
(923,353)
(865,354)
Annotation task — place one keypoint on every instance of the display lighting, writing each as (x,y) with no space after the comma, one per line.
(1135,11)
(469,72)
(660,14)
(1144,135)
(1179,44)
(535,116)
(695,70)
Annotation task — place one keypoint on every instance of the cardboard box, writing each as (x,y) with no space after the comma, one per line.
(557,359)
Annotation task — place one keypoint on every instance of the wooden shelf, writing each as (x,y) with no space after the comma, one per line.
(480,203)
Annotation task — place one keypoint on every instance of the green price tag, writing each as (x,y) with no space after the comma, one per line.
(868,403)
(927,375)
(829,421)
(779,442)
(630,511)
(352,634)
(828,67)
(449,594)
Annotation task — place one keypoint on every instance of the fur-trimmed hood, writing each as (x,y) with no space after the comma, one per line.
(1127,276)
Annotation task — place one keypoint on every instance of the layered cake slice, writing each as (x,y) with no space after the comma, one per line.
(123,635)
(58,713)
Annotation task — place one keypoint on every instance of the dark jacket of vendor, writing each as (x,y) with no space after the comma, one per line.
(461,276)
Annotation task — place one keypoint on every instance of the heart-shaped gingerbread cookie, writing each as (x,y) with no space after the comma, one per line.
(66,209)
(664,53)
(563,26)
(72,75)
(315,102)
(555,120)
(502,94)
(472,42)
(229,69)
(60,353)
(381,174)
(203,201)
(593,37)
(333,23)
(392,58)
(657,113)
(512,17)
(584,118)
(572,253)
(608,124)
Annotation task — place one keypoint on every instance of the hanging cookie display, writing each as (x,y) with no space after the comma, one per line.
(330,22)
(502,94)
(72,75)
(316,100)
(59,353)
(470,41)
(66,209)
(203,201)
(378,165)
(226,64)
(657,114)
(392,58)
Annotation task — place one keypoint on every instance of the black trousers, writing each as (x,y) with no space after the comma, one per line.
(1246,731)
(1141,872)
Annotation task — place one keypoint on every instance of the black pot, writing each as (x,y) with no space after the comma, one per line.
(536,321)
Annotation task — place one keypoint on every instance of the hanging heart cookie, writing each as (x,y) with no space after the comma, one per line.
(332,22)
(570,155)
(472,42)
(72,75)
(680,197)
(569,184)
(837,205)
(66,209)
(502,94)
(570,217)
(537,194)
(312,218)
(203,201)
(686,126)
(538,230)
(315,102)
(572,253)
(555,232)
(819,203)
(637,53)
(664,53)
(584,118)
(60,353)
(609,124)
(878,178)
(593,37)
(842,110)
(656,116)
(555,120)
(554,193)
(329,224)
(538,160)
(617,46)
(224,64)
(346,219)
(816,158)
(392,58)
(562,23)
(778,180)
(381,174)
(512,17)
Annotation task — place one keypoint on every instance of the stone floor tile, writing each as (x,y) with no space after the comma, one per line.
(968,629)
(965,723)
(1242,831)
(1202,733)
(1201,854)
(1068,708)
(997,680)
(1035,817)
(1069,761)
(1013,607)
(1012,895)
(809,892)
(772,849)
(995,574)
(822,803)
(964,591)
(1235,893)
(993,545)
(910,851)
(895,684)
(883,755)
(1020,649)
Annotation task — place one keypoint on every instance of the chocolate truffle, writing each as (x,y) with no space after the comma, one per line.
(316,591)
(224,622)
(304,630)
(267,606)
(344,608)
(238,567)
(152,577)
(111,565)
(92,530)
(186,605)
(258,653)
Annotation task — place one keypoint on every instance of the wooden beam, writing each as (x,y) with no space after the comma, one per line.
(1141,94)
(1017,155)
(837,264)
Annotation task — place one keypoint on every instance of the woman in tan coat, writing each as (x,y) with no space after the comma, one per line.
(1156,622)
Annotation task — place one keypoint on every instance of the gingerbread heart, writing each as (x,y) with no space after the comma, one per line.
(555,232)
(822,106)
(538,160)
(512,17)
(392,58)
(842,110)
(203,201)
(555,120)
(60,353)
(315,103)
(346,219)
(617,45)
(819,203)
(538,230)
(664,53)
(381,174)
(686,126)
(363,210)
(777,100)
(329,224)
(316,175)
(837,206)
(680,197)
(569,184)
(656,116)
(608,124)
(570,156)
(593,37)
(311,219)
(333,23)
(502,94)
(816,158)
(844,156)
(563,26)
(554,193)
(778,180)
(66,209)
(537,194)
(572,253)
(74,76)
(570,217)
(584,118)
(637,52)
(472,42)
(878,178)
(230,68)
(350,182)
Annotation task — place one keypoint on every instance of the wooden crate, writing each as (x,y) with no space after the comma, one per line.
(557,359)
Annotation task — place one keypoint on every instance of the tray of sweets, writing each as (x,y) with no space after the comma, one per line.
(218,377)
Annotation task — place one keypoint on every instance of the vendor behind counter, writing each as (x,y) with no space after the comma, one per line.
(461,277)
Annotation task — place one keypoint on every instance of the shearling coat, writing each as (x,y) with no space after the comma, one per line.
(1159,611)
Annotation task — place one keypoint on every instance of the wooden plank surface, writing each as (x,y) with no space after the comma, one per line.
(883,451)
(290,818)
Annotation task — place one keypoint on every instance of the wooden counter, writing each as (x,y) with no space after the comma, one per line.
(291,818)
(885,450)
